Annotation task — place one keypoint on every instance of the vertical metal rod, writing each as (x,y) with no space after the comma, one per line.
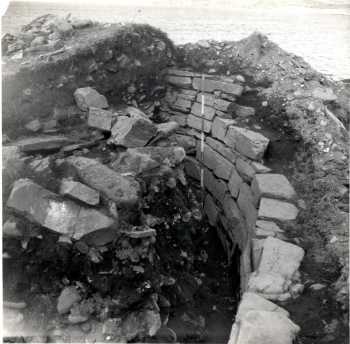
(202,139)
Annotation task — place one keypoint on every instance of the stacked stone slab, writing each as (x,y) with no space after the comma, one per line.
(250,202)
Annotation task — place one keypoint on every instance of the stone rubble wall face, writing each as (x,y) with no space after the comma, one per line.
(234,177)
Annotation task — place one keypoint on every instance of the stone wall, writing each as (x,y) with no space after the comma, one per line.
(247,202)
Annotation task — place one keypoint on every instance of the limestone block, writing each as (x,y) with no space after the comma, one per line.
(180,81)
(246,205)
(181,104)
(263,327)
(269,284)
(280,257)
(234,183)
(216,187)
(247,142)
(272,185)
(132,132)
(41,143)
(221,148)
(245,170)
(79,191)
(124,190)
(87,96)
(215,85)
(196,123)
(221,105)
(217,163)
(219,128)
(209,99)
(276,209)
(101,119)
(209,112)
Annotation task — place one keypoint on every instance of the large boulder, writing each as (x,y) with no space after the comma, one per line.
(132,132)
(50,211)
(124,190)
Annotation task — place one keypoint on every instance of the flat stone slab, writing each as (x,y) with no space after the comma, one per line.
(41,143)
(263,327)
(101,119)
(272,185)
(180,81)
(247,142)
(208,114)
(87,97)
(50,211)
(216,85)
(280,257)
(124,190)
(132,132)
(196,123)
(80,192)
(278,210)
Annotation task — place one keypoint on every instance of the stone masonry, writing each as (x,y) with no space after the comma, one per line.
(244,196)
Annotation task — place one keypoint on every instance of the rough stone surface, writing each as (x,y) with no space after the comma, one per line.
(181,104)
(219,128)
(263,327)
(272,185)
(243,111)
(280,257)
(260,168)
(87,97)
(217,163)
(246,205)
(148,159)
(80,192)
(221,148)
(192,168)
(47,209)
(68,297)
(34,125)
(234,183)
(211,210)
(215,186)
(180,81)
(123,190)
(196,123)
(208,114)
(247,142)
(41,143)
(245,170)
(276,209)
(221,105)
(132,132)
(268,226)
(101,119)
(209,99)
(213,85)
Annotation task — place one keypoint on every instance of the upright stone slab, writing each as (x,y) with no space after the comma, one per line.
(211,210)
(221,148)
(272,185)
(124,190)
(278,210)
(87,97)
(234,183)
(132,132)
(247,142)
(245,170)
(217,187)
(246,205)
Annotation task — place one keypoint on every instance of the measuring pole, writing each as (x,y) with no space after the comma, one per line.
(202,139)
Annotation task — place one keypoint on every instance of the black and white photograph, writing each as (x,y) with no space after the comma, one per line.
(175,171)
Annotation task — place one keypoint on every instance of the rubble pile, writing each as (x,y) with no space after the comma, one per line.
(107,244)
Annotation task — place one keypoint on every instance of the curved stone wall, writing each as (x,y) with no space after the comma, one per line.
(242,196)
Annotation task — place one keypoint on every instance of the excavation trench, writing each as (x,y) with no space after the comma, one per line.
(137,250)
